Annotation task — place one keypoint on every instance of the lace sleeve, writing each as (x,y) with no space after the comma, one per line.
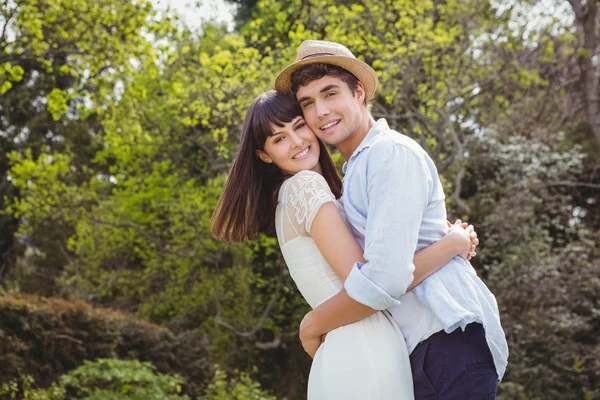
(306,192)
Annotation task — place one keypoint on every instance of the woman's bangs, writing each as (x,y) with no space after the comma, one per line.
(273,108)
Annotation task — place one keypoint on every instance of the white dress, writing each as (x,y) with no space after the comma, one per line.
(364,360)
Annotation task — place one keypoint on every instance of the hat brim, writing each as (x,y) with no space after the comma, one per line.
(360,69)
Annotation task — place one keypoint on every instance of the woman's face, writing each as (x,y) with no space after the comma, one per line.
(292,148)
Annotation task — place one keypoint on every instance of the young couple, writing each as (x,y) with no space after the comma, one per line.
(398,311)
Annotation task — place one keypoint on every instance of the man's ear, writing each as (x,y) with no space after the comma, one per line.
(263,156)
(360,92)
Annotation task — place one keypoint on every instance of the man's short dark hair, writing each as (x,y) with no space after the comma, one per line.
(313,72)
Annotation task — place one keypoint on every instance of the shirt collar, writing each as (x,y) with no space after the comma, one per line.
(378,127)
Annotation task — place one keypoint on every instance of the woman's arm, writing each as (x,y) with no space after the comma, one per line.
(433,257)
(342,251)
(335,241)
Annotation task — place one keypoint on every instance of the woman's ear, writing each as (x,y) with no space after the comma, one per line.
(263,156)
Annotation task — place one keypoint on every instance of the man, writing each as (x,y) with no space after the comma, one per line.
(394,202)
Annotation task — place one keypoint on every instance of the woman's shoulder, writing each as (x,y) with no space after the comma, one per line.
(304,178)
(305,184)
(307,175)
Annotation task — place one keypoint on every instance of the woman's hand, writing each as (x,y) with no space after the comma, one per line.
(310,341)
(465,237)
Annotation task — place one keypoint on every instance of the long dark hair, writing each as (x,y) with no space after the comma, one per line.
(247,204)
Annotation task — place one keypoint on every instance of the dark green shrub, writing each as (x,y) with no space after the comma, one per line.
(103,379)
(46,338)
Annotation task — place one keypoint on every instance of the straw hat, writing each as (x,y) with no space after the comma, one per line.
(319,51)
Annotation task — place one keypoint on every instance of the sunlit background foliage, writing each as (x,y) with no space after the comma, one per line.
(118,123)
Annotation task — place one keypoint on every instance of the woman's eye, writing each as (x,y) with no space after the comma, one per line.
(301,125)
(279,139)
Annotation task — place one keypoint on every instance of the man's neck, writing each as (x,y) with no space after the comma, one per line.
(348,147)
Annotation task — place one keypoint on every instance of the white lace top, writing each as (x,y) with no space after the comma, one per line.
(300,198)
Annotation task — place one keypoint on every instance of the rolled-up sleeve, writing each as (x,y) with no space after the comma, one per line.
(398,188)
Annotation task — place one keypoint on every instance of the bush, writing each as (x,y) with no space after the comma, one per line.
(22,389)
(112,379)
(241,387)
(46,338)
(103,379)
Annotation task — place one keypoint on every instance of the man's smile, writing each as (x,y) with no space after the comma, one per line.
(330,125)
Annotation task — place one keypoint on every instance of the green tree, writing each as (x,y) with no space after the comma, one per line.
(486,93)
(141,239)
(61,66)
(540,259)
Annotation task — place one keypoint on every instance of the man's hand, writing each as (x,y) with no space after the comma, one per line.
(310,340)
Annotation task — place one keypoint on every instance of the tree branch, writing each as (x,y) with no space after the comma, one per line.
(2,269)
(576,184)
(276,342)
(261,320)
(373,21)
(69,338)
(135,227)
(459,156)
(577,9)
(7,21)
(457,189)
(590,79)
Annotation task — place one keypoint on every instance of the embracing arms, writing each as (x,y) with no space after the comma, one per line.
(400,184)
(342,251)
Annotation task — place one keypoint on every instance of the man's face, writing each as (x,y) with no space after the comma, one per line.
(330,108)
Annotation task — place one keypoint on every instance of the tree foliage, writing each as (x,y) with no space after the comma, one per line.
(118,127)
(62,64)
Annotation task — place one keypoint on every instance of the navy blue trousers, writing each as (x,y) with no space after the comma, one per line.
(454,366)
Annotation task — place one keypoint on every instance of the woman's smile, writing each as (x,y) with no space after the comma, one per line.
(303,154)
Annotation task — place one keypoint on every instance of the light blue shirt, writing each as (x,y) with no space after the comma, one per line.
(394,202)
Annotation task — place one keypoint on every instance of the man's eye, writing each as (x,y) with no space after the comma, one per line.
(306,104)
(330,94)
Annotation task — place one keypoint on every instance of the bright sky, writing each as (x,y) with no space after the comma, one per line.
(194,12)
(194,15)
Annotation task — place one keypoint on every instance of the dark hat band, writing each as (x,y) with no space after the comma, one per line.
(317,55)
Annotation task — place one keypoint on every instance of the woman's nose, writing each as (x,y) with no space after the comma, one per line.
(296,140)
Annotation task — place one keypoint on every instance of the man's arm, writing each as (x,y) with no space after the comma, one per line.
(338,311)
(398,191)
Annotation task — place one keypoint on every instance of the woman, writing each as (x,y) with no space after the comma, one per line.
(284,179)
